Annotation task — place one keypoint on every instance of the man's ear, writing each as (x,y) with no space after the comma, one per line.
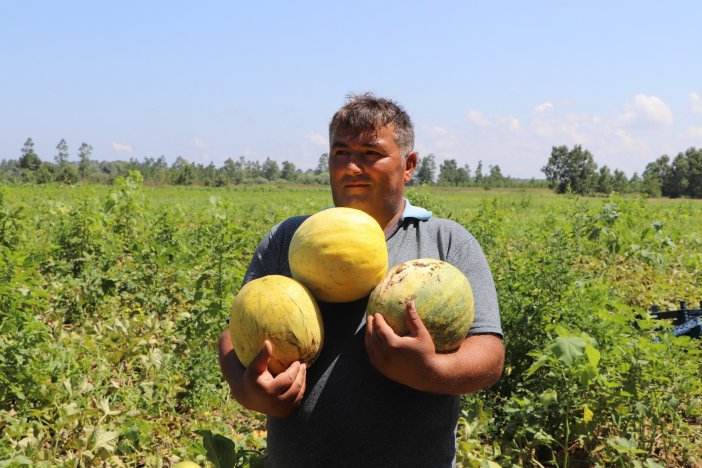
(410,165)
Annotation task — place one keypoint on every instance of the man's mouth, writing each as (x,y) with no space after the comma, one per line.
(356,183)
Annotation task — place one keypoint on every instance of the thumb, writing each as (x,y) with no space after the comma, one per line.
(414,321)
(260,363)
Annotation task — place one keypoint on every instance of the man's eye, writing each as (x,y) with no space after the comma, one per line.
(375,154)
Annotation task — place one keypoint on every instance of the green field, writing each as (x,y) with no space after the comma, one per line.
(112,300)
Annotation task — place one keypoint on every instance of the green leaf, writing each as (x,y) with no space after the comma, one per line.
(593,355)
(548,397)
(567,348)
(538,364)
(220,449)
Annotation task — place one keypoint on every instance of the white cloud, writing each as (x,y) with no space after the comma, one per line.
(121,148)
(644,112)
(639,132)
(478,118)
(317,139)
(512,123)
(696,102)
(199,143)
(438,131)
(545,107)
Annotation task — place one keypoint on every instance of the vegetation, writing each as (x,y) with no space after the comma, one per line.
(567,171)
(575,171)
(112,300)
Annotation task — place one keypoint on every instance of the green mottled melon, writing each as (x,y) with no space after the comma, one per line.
(441,293)
(279,309)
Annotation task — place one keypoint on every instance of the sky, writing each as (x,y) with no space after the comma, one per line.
(500,82)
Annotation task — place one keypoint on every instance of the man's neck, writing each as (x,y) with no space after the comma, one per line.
(391,226)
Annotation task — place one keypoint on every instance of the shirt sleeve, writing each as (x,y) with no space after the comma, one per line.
(470,259)
(265,260)
(271,256)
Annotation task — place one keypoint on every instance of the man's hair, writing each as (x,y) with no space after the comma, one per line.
(365,112)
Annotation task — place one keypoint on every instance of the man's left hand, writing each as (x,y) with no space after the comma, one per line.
(410,359)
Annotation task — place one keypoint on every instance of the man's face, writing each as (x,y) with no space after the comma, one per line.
(368,172)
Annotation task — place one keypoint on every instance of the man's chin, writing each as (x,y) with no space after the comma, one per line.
(359,202)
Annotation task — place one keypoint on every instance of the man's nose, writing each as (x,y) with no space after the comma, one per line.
(354,164)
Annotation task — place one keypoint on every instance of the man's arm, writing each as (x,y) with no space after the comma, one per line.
(254,387)
(413,361)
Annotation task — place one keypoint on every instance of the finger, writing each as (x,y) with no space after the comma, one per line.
(382,332)
(370,332)
(293,391)
(303,387)
(282,382)
(414,321)
(260,363)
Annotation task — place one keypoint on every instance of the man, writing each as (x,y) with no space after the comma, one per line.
(373,398)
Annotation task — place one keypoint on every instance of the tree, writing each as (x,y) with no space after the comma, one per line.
(479,173)
(182,172)
(322,165)
(66,173)
(681,178)
(447,172)
(656,176)
(462,178)
(289,172)
(252,169)
(495,177)
(61,157)
(234,171)
(635,183)
(84,153)
(29,159)
(270,169)
(694,175)
(620,183)
(573,170)
(426,172)
(604,181)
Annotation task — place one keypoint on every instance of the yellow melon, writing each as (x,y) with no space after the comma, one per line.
(340,254)
(279,309)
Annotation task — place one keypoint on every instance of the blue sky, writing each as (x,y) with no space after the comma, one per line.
(500,82)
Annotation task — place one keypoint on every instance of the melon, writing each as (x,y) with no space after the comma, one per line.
(279,309)
(340,254)
(186,464)
(442,296)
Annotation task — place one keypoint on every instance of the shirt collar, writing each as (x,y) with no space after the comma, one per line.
(415,212)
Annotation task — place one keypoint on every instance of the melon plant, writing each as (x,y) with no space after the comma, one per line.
(340,254)
(279,309)
(442,296)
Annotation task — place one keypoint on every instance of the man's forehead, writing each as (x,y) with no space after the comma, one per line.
(366,136)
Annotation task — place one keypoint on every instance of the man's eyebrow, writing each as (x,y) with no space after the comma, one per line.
(337,144)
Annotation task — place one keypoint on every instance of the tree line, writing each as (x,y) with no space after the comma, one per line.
(567,171)
(29,168)
(575,171)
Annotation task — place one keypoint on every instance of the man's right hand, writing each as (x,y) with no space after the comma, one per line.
(255,387)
